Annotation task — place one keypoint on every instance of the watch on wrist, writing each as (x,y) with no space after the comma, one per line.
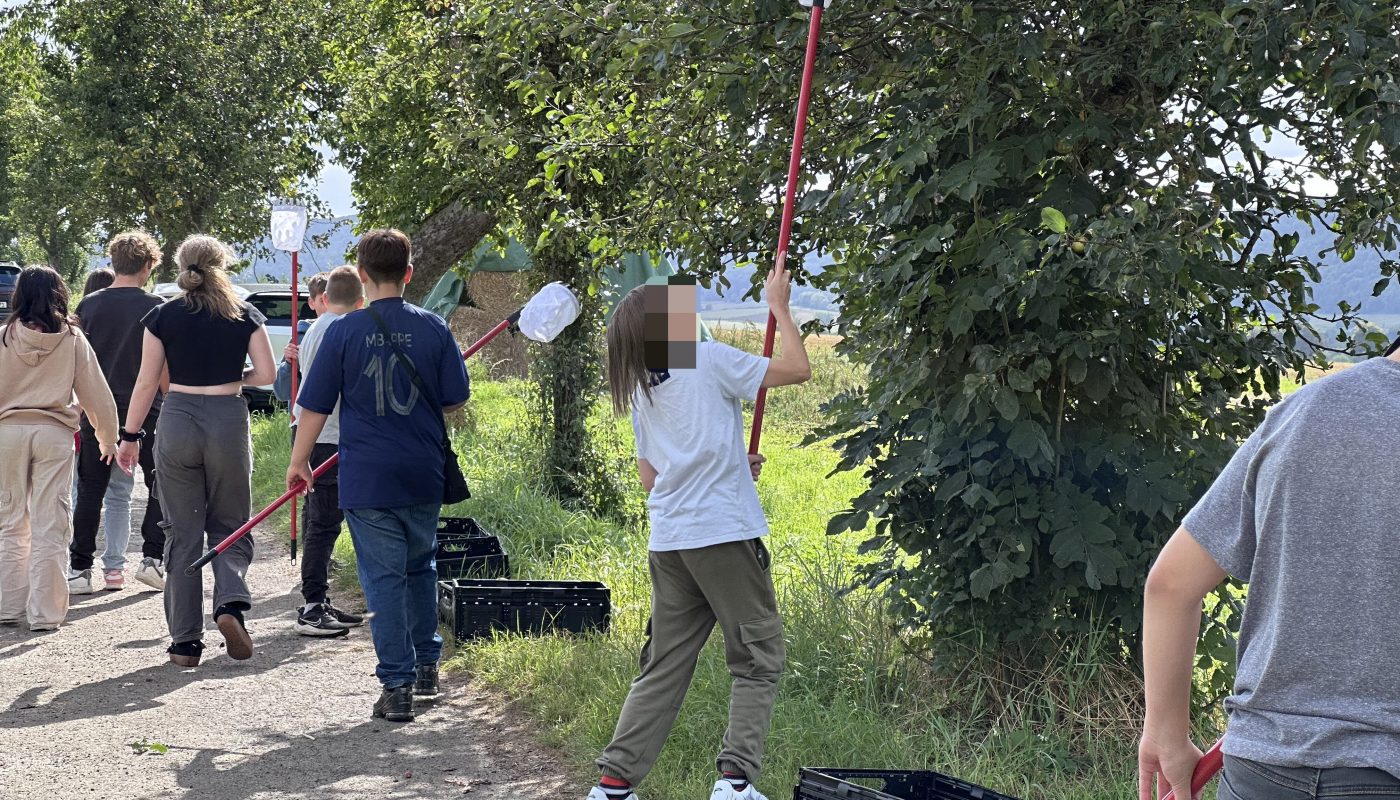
(128,436)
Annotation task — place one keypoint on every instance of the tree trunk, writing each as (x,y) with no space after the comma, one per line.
(444,239)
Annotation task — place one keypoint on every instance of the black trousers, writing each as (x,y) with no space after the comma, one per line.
(321,519)
(93,475)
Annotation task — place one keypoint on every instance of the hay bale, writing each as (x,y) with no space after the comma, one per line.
(495,296)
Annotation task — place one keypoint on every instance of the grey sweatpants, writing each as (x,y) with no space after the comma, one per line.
(691,590)
(204,456)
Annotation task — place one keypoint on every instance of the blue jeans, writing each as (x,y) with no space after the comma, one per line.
(1251,780)
(395,555)
(116,517)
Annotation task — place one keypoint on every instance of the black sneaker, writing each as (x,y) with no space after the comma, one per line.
(237,643)
(317,621)
(395,705)
(344,618)
(186,654)
(427,683)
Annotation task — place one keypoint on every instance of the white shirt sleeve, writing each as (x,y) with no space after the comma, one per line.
(639,433)
(739,374)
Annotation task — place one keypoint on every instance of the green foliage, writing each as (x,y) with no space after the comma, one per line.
(179,117)
(1064,270)
(1056,725)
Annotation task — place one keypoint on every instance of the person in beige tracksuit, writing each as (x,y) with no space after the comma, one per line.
(44,361)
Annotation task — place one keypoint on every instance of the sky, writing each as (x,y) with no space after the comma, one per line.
(333,186)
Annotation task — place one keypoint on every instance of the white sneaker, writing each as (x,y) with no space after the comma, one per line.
(151,573)
(80,582)
(724,790)
(599,794)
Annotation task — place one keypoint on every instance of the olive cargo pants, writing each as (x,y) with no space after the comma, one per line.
(691,590)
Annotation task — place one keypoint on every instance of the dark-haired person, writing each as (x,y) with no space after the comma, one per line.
(1306,513)
(707,559)
(340,294)
(44,362)
(392,460)
(205,453)
(116,504)
(111,319)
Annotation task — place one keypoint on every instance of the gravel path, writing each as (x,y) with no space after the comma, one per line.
(292,722)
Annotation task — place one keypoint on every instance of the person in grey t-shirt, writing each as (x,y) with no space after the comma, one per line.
(322,518)
(1306,513)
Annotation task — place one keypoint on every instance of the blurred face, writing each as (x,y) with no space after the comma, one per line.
(671,324)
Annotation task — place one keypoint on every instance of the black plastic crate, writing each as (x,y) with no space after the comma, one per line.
(476,607)
(856,784)
(467,550)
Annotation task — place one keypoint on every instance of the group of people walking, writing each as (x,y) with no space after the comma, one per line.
(158,385)
(135,363)
(130,380)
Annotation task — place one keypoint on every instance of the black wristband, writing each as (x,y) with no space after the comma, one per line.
(127,436)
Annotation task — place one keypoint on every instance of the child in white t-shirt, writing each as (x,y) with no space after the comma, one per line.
(707,560)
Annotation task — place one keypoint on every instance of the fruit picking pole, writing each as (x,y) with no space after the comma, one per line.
(292,493)
(804,98)
(292,406)
(1206,769)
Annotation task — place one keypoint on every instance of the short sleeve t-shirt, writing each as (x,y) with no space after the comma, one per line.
(692,433)
(390,435)
(1307,513)
(111,318)
(203,348)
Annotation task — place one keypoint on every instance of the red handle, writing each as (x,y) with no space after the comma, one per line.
(1206,769)
(804,99)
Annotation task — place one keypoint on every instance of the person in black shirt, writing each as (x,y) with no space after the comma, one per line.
(205,454)
(111,319)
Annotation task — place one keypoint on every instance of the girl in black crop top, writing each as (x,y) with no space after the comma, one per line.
(204,459)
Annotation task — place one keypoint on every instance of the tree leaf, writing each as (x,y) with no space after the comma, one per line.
(1053,220)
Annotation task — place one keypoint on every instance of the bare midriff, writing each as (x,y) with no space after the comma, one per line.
(209,391)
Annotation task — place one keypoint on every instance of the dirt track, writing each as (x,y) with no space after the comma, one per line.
(292,722)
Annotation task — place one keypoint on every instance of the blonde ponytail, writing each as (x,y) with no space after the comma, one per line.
(203,280)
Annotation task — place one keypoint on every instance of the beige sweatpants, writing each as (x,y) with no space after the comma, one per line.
(692,590)
(36,521)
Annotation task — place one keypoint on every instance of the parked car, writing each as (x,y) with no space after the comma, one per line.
(9,276)
(274,300)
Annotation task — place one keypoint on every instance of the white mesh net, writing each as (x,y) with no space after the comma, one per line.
(549,312)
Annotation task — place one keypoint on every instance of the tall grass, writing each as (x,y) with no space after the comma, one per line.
(856,693)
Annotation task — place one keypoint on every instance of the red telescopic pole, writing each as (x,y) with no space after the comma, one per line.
(790,200)
(296,303)
(1206,768)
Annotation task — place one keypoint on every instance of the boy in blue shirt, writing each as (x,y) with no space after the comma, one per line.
(391,458)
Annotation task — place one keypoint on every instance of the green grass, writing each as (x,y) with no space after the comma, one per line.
(856,693)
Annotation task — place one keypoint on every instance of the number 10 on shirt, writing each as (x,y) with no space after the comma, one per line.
(383,375)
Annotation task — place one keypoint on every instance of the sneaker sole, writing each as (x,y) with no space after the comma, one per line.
(156,583)
(320,633)
(239,643)
(393,717)
(73,592)
(184,661)
(117,588)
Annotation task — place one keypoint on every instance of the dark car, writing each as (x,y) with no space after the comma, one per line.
(9,276)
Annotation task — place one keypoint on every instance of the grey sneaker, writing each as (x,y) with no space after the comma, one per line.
(80,582)
(151,573)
